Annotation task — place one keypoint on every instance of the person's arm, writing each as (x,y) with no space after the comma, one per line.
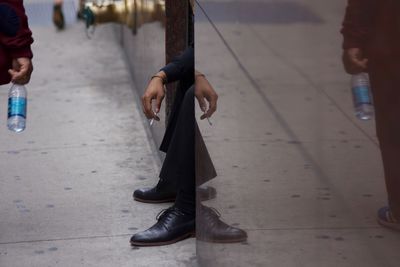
(180,67)
(357,23)
(356,29)
(204,93)
(18,47)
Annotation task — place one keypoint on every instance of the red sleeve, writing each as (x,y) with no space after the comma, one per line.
(19,45)
(357,23)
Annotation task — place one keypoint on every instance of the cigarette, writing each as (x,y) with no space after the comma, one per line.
(152,120)
(208,119)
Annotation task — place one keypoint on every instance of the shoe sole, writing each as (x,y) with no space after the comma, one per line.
(154,201)
(141,244)
(212,194)
(393,226)
(238,240)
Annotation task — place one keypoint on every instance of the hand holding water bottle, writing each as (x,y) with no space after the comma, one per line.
(21,70)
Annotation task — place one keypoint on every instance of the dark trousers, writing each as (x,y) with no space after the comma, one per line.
(179,144)
(385,82)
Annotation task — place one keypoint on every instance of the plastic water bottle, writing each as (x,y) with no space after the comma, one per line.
(17,103)
(362,98)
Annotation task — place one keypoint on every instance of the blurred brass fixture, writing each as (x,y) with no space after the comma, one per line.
(146,11)
(133,13)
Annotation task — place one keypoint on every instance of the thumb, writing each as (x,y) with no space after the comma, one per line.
(13,73)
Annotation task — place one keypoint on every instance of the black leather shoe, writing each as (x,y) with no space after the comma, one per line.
(172,226)
(211,229)
(161,194)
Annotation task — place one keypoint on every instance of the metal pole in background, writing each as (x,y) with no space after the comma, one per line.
(176,34)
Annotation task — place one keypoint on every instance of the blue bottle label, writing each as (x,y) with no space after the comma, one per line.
(16,107)
(361,95)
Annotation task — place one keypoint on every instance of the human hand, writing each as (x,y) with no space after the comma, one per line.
(204,92)
(354,61)
(154,91)
(21,70)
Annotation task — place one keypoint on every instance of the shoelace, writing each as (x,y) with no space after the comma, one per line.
(164,216)
(211,212)
(161,213)
(211,217)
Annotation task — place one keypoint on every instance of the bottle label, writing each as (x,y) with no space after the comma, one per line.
(361,95)
(17,107)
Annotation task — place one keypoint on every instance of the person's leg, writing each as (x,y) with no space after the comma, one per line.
(186,147)
(385,81)
(177,222)
(180,159)
(80,11)
(165,190)
(58,16)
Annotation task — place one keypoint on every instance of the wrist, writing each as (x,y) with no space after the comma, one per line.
(160,76)
(199,75)
(157,79)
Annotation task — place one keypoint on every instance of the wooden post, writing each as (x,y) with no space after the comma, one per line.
(176,34)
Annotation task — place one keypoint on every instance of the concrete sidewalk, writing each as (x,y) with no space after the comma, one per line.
(67,181)
(296,169)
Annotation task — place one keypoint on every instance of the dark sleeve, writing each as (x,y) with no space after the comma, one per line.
(20,44)
(9,21)
(357,23)
(181,66)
